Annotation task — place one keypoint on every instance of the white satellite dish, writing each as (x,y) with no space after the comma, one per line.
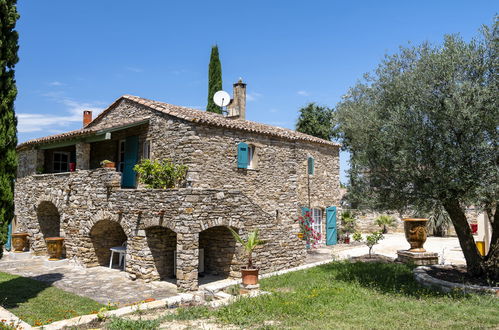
(221,98)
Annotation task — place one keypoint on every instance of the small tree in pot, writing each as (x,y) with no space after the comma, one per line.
(249,274)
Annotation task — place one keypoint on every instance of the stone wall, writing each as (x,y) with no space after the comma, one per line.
(90,201)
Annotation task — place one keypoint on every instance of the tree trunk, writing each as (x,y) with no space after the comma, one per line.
(474,261)
(492,258)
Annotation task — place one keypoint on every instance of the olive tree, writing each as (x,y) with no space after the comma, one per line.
(423,129)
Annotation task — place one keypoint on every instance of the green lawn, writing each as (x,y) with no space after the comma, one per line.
(344,295)
(39,303)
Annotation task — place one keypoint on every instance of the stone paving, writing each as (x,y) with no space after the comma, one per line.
(101,284)
(112,285)
(448,249)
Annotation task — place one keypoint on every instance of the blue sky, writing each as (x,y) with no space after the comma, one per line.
(77,55)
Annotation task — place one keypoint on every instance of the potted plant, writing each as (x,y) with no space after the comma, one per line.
(347,224)
(250,273)
(107,164)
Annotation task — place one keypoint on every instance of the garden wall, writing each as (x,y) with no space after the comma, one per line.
(90,204)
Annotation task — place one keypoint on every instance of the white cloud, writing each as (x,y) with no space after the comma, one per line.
(35,122)
(303,93)
(56,83)
(253,96)
(134,69)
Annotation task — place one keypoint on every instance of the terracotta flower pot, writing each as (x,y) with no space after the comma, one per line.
(250,276)
(109,165)
(20,241)
(415,233)
(54,247)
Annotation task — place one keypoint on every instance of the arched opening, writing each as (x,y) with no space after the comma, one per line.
(219,251)
(162,243)
(49,219)
(104,235)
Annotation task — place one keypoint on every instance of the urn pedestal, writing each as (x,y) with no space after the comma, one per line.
(415,233)
(54,247)
(20,242)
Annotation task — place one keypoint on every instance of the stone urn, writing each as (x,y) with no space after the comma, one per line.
(415,233)
(20,241)
(54,247)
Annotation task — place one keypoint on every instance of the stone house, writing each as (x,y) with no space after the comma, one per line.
(241,174)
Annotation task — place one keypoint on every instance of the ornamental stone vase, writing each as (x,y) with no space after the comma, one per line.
(415,233)
(20,241)
(54,247)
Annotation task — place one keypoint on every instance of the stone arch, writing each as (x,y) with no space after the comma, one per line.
(104,235)
(49,219)
(219,247)
(162,242)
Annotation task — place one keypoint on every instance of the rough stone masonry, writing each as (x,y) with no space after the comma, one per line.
(166,230)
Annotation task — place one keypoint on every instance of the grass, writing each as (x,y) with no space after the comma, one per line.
(354,296)
(39,303)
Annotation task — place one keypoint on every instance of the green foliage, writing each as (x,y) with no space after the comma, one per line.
(348,221)
(357,236)
(214,80)
(317,121)
(126,324)
(385,221)
(160,174)
(439,221)
(372,240)
(422,129)
(8,122)
(249,244)
(359,296)
(39,303)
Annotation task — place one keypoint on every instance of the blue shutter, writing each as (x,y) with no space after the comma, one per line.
(310,165)
(242,155)
(331,234)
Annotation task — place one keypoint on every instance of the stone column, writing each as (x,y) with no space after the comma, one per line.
(187,261)
(82,156)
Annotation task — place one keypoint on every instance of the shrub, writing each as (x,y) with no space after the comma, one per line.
(385,221)
(160,174)
(372,240)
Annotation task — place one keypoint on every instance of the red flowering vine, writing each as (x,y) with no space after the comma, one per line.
(309,234)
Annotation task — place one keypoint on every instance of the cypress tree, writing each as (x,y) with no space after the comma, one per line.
(214,80)
(8,121)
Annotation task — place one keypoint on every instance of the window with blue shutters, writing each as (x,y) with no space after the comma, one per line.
(242,155)
(310,164)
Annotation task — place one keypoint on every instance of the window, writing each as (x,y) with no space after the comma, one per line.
(61,161)
(251,158)
(146,149)
(317,217)
(121,159)
(246,156)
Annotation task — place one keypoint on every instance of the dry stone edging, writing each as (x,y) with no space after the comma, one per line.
(86,319)
(13,319)
(421,276)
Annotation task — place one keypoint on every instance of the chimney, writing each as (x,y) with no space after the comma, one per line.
(87,117)
(237,108)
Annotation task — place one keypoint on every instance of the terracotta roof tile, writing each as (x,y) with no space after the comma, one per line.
(188,114)
(213,119)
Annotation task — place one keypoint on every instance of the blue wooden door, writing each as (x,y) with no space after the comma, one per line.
(131,155)
(331,238)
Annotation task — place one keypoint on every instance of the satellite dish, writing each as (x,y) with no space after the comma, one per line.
(221,98)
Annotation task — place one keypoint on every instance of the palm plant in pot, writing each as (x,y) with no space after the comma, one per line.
(250,273)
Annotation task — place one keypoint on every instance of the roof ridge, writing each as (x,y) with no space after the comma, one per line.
(192,115)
